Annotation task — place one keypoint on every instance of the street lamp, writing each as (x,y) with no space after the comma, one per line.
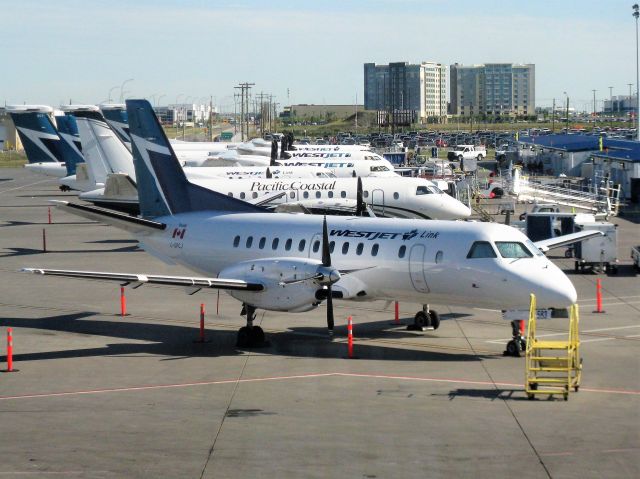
(110,90)
(122,88)
(636,14)
(567,113)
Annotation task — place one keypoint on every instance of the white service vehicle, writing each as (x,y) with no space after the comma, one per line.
(467,152)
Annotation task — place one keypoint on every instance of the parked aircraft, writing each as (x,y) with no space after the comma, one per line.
(283,262)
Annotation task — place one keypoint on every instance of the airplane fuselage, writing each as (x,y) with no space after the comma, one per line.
(392,259)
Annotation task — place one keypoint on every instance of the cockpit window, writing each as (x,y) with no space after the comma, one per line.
(481,249)
(532,247)
(428,190)
(513,249)
(379,168)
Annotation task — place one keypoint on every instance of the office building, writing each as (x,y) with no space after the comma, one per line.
(403,86)
(492,89)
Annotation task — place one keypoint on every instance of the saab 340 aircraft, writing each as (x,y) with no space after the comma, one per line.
(284,262)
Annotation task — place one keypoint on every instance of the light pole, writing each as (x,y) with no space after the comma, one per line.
(159,98)
(636,14)
(567,128)
(594,105)
(110,90)
(122,87)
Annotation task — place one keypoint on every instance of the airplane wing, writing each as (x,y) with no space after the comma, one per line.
(140,279)
(558,241)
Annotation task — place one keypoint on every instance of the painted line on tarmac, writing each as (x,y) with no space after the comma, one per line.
(588,331)
(297,376)
(25,186)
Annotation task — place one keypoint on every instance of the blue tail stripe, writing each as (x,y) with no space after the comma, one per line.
(163,188)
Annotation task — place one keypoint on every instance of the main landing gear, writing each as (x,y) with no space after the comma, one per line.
(518,344)
(250,336)
(425,319)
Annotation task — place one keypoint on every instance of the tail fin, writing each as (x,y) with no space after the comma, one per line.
(163,188)
(117,118)
(103,144)
(72,149)
(39,137)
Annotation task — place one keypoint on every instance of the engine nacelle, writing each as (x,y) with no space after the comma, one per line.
(290,284)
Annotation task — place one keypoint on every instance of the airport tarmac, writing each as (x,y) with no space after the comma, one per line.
(99,395)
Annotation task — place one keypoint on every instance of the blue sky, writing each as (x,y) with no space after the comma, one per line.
(54,51)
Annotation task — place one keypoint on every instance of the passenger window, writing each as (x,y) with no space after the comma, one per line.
(292,195)
(343,194)
(316,246)
(422,190)
(236,241)
(306,194)
(249,241)
(318,194)
(330,194)
(302,245)
(374,250)
(365,194)
(254,195)
(242,195)
(274,243)
(287,245)
(402,251)
(439,255)
(359,248)
(481,249)
(262,242)
(512,249)
(345,248)
(231,194)
(332,246)
(396,196)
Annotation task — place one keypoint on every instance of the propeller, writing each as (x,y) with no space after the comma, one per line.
(283,146)
(274,153)
(326,262)
(360,206)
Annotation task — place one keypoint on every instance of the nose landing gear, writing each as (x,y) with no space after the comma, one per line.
(518,344)
(425,319)
(250,336)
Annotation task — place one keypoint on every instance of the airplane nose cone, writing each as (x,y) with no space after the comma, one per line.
(454,209)
(557,292)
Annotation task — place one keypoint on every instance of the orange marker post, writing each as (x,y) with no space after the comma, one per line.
(123,302)
(599,297)
(397,313)
(202,312)
(9,350)
(350,337)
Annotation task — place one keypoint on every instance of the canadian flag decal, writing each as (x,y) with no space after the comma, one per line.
(178,233)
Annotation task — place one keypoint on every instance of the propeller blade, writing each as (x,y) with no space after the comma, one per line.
(326,254)
(359,199)
(330,311)
(268,174)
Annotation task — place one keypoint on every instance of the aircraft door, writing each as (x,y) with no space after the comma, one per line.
(377,201)
(416,268)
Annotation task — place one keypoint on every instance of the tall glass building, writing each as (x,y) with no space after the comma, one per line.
(405,86)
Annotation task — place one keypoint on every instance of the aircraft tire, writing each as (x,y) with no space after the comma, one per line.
(514,348)
(243,340)
(421,320)
(434,319)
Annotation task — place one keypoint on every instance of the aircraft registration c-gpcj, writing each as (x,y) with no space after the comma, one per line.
(284,262)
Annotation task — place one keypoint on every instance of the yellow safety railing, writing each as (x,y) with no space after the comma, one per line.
(552,366)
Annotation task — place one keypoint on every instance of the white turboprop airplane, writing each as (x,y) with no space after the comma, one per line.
(283,262)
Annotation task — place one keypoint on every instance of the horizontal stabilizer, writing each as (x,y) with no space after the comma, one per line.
(114,218)
(128,278)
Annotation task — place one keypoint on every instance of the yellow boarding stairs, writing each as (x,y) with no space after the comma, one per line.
(552,367)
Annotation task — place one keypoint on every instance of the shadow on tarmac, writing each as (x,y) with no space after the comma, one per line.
(177,342)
